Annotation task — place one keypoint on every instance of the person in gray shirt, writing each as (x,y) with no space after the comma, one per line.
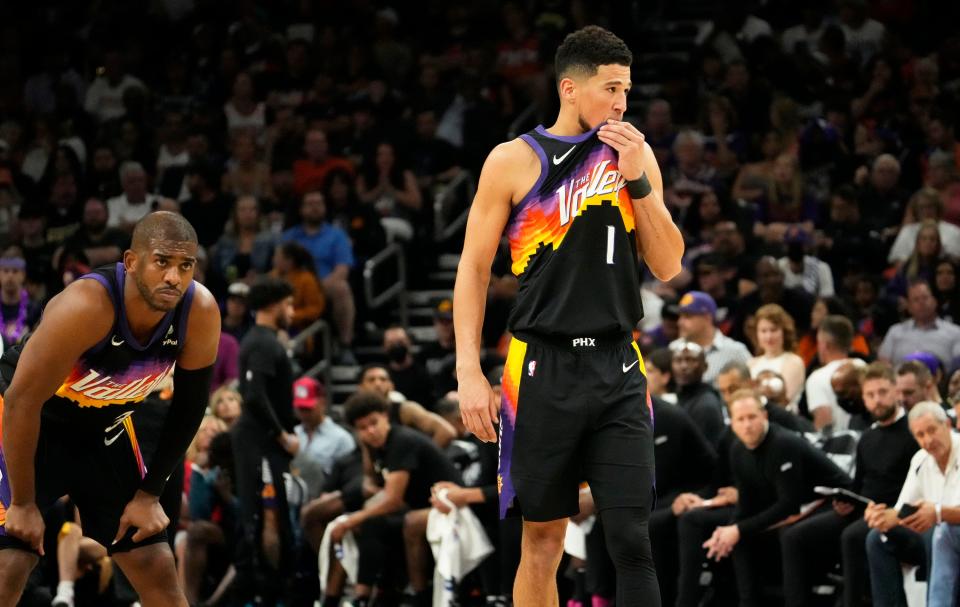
(923,332)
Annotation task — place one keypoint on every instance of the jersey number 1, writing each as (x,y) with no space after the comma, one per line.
(610,235)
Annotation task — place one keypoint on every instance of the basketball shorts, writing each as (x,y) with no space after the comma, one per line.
(99,467)
(573,411)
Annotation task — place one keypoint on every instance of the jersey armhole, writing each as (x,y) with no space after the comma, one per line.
(105,282)
(544,170)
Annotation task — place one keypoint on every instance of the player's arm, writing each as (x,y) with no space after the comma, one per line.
(659,241)
(73,322)
(415,416)
(488,216)
(191,389)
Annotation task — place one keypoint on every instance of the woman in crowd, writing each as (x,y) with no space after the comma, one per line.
(775,339)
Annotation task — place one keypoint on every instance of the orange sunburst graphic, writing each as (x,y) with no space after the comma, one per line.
(3,514)
(545,221)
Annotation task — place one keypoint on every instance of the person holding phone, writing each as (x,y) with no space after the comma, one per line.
(882,461)
(903,535)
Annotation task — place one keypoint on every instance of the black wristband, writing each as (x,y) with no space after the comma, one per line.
(639,188)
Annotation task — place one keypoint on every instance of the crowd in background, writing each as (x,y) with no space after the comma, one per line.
(809,154)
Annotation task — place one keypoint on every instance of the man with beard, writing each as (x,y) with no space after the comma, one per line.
(883,456)
(97,242)
(69,396)
(264,432)
(18,313)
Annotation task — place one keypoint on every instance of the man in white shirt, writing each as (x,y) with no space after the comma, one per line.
(697,324)
(105,96)
(930,487)
(833,346)
(135,202)
(321,440)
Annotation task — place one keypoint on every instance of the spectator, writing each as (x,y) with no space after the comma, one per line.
(804,271)
(833,346)
(697,317)
(376,378)
(923,332)
(321,441)
(882,201)
(246,175)
(660,374)
(207,209)
(245,249)
(659,131)
(883,457)
(946,290)
(846,385)
(785,204)
(236,314)
(103,178)
(440,357)
(776,339)
(105,97)
(698,399)
(135,202)
(807,346)
(18,313)
(931,483)
(915,384)
(772,290)
(294,264)
(63,212)
(752,178)
(847,240)
(410,465)
(98,243)
(361,222)
(392,189)
(309,174)
(691,175)
(409,375)
(922,262)
(775,472)
(225,405)
(435,160)
(242,111)
(925,205)
(686,459)
(333,258)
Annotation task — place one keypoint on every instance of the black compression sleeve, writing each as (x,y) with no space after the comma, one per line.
(191,389)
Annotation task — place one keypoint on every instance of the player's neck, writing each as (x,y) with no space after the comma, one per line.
(567,125)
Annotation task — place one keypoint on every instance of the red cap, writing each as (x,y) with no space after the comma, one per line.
(306,392)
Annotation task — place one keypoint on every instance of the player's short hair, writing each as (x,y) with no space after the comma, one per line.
(588,48)
(362,404)
(267,291)
(162,226)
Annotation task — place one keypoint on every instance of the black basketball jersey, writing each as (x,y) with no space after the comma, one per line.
(573,242)
(109,379)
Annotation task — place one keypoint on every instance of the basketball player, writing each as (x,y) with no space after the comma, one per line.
(581,203)
(101,346)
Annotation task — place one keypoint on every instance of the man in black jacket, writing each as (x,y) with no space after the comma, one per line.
(883,458)
(774,471)
(264,430)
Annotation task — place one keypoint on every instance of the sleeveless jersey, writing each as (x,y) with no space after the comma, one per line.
(573,242)
(109,379)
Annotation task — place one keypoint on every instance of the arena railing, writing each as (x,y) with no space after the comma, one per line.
(397,290)
(321,370)
(446,202)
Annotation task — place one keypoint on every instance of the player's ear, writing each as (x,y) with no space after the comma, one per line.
(567,89)
(129,259)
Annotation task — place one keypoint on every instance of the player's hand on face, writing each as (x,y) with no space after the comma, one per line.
(629,144)
(478,406)
(145,514)
(25,523)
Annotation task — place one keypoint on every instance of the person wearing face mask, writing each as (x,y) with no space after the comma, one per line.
(409,376)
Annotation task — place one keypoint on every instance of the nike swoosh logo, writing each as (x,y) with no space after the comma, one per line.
(557,161)
(115,342)
(110,441)
(628,367)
